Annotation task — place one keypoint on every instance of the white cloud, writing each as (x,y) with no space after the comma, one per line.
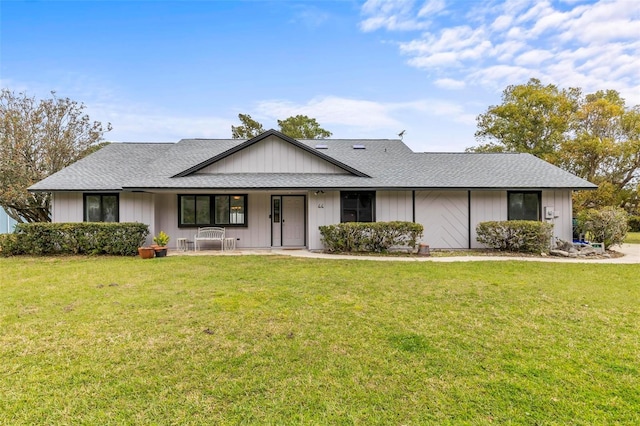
(452,47)
(397,15)
(331,109)
(134,122)
(450,83)
(533,57)
(431,7)
(593,44)
(361,114)
(501,23)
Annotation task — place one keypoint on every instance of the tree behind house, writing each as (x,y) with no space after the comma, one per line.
(595,136)
(297,127)
(37,139)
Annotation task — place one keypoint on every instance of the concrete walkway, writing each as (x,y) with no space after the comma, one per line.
(631,256)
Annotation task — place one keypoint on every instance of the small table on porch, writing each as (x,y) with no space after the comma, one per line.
(229,243)
(183,244)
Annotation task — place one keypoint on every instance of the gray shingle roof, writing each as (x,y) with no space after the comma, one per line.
(389,163)
(106,169)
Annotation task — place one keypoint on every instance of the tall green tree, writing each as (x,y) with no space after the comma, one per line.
(604,148)
(595,136)
(303,127)
(298,127)
(249,128)
(37,139)
(532,118)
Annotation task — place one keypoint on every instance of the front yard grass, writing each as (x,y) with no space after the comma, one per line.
(275,340)
(632,238)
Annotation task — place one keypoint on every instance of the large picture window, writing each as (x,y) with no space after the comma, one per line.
(357,206)
(524,205)
(101,208)
(212,210)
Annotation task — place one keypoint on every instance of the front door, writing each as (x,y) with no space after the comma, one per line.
(288,221)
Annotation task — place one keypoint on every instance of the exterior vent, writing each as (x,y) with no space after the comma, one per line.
(322,146)
(359,147)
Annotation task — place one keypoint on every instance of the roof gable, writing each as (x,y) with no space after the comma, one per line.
(312,155)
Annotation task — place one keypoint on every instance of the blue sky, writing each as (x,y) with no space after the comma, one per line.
(166,70)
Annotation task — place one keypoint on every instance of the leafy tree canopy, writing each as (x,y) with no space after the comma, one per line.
(37,139)
(595,136)
(532,118)
(249,128)
(299,127)
(303,127)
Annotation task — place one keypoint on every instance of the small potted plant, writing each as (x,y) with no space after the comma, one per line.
(161,240)
(146,252)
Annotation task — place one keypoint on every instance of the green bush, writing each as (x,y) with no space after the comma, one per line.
(634,223)
(74,238)
(526,236)
(608,225)
(375,237)
(9,244)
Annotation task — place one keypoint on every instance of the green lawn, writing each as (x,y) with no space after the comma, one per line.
(633,238)
(273,340)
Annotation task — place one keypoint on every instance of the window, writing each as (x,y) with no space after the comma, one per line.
(212,210)
(357,206)
(276,210)
(101,208)
(524,205)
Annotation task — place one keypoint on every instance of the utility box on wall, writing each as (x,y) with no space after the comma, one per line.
(550,213)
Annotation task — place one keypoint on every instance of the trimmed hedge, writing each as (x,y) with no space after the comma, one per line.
(372,237)
(528,236)
(94,238)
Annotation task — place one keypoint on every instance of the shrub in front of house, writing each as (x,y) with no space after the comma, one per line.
(634,223)
(608,225)
(526,236)
(372,237)
(121,239)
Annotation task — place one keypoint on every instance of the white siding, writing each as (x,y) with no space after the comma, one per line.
(272,155)
(323,209)
(394,205)
(560,202)
(67,207)
(486,206)
(256,235)
(137,207)
(166,219)
(492,205)
(444,215)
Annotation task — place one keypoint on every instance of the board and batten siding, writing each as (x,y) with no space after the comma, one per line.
(138,207)
(444,215)
(486,206)
(67,207)
(134,207)
(560,202)
(323,209)
(273,155)
(394,206)
(256,235)
(492,206)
